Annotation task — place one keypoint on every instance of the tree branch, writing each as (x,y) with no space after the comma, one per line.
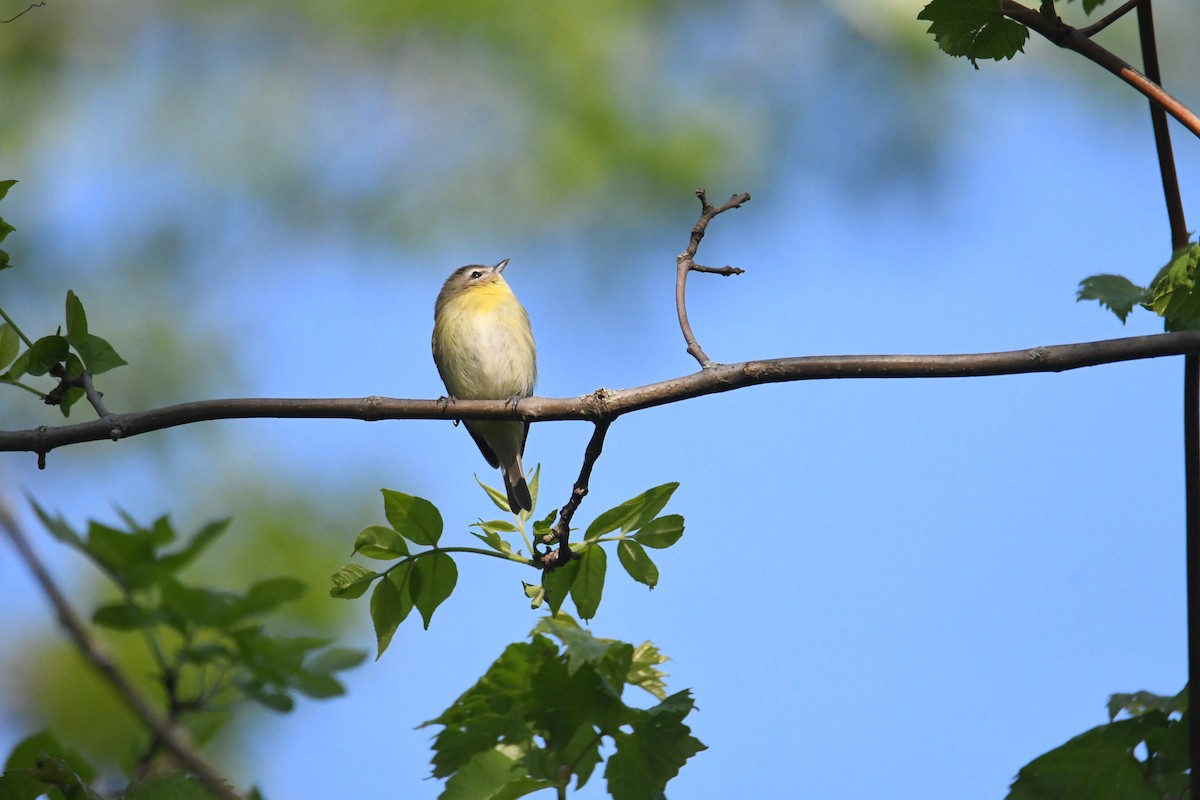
(610,403)
(685,262)
(77,631)
(1091,30)
(1064,35)
(561,531)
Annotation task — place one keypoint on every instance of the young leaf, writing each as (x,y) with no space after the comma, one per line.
(58,527)
(974,28)
(1115,292)
(558,584)
(262,597)
(77,329)
(195,546)
(491,538)
(1174,294)
(644,671)
(73,395)
(632,514)
(499,498)
(4,187)
(637,562)
(660,532)
(98,355)
(588,587)
(391,603)
(124,617)
(45,353)
(337,659)
(10,345)
(414,518)
(433,580)
(380,542)
(351,581)
(494,774)
(534,480)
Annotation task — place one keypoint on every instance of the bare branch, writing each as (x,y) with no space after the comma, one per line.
(1064,35)
(610,403)
(562,529)
(77,631)
(1162,134)
(1091,30)
(685,262)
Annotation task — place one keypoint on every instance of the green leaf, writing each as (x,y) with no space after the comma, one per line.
(172,786)
(660,532)
(269,697)
(491,534)
(499,498)
(534,480)
(433,579)
(588,586)
(73,395)
(5,230)
(351,581)
(98,355)
(337,659)
(1098,764)
(58,527)
(125,617)
(414,518)
(558,584)
(4,187)
(637,562)
(1139,703)
(195,546)
(632,514)
(41,761)
(391,603)
(10,345)
(319,685)
(644,671)
(1173,292)
(5,258)
(123,556)
(1115,292)
(380,542)
(495,774)
(974,29)
(45,353)
(653,753)
(262,597)
(77,329)
(542,526)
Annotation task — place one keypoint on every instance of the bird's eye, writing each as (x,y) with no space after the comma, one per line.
(476,274)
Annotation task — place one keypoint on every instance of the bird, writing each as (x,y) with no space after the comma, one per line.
(484,350)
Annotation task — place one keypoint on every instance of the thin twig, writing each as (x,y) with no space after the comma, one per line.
(1064,35)
(685,262)
(561,532)
(77,631)
(1091,30)
(94,396)
(31,7)
(611,403)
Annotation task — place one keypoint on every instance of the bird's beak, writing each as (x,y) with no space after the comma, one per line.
(500,267)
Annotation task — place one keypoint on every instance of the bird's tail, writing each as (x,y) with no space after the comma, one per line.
(519,498)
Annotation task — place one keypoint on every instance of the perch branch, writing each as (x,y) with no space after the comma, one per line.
(77,631)
(1091,30)
(611,403)
(685,262)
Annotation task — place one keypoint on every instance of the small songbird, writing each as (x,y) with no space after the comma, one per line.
(484,350)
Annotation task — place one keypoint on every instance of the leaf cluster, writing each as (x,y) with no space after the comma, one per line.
(539,715)
(1173,293)
(974,29)
(1104,764)
(636,526)
(425,573)
(210,647)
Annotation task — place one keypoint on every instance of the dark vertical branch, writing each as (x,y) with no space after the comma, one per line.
(1191,377)
(1162,135)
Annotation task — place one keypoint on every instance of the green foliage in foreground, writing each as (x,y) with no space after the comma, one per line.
(424,578)
(1103,763)
(539,715)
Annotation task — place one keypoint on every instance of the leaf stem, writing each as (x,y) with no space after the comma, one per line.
(18,331)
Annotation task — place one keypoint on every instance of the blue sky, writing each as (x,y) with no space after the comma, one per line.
(886,588)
